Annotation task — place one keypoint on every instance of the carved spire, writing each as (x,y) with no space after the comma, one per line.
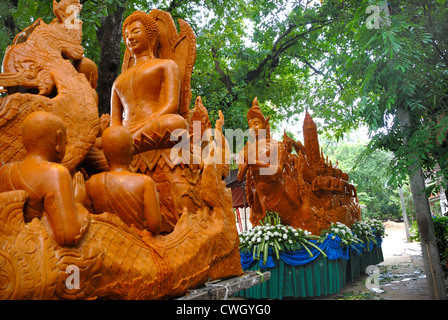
(311,140)
(255,111)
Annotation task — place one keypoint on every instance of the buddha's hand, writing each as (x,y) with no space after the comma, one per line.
(79,188)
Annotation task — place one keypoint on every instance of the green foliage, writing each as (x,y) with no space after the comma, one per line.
(6,35)
(402,65)
(368,171)
(415,235)
(441,234)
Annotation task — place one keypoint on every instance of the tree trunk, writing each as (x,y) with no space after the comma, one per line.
(109,37)
(446,194)
(431,258)
(405,216)
(9,22)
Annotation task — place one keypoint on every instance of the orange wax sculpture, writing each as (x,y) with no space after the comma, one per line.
(306,190)
(109,202)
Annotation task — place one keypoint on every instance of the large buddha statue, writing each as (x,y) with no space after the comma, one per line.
(145,97)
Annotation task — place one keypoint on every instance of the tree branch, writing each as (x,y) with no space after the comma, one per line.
(277,49)
(305,61)
(224,78)
(173,5)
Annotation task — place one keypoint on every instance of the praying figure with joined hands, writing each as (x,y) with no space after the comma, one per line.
(47,182)
(131,196)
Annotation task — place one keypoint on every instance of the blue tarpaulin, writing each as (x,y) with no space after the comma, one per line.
(297,274)
(331,246)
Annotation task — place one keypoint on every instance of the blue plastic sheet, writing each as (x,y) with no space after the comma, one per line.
(379,240)
(331,246)
(359,248)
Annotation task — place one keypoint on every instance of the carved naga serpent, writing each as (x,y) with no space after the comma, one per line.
(38,75)
(114,260)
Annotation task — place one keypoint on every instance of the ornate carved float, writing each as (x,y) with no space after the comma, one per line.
(197,240)
(305,189)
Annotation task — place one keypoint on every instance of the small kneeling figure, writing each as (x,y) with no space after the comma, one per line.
(47,182)
(131,196)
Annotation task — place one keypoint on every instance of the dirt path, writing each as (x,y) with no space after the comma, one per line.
(401,273)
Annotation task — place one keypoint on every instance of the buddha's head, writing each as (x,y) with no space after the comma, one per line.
(256,120)
(141,34)
(117,145)
(45,134)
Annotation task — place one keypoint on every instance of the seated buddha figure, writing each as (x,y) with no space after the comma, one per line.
(49,185)
(145,97)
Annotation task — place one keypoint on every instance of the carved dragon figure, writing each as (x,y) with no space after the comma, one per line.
(115,261)
(38,75)
(306,191)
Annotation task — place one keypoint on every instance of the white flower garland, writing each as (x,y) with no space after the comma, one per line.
(271,234)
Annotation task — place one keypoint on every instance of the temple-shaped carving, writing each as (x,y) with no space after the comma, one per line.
(305,189)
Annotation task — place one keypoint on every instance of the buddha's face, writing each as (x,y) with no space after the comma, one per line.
(256,124)
(136,38)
